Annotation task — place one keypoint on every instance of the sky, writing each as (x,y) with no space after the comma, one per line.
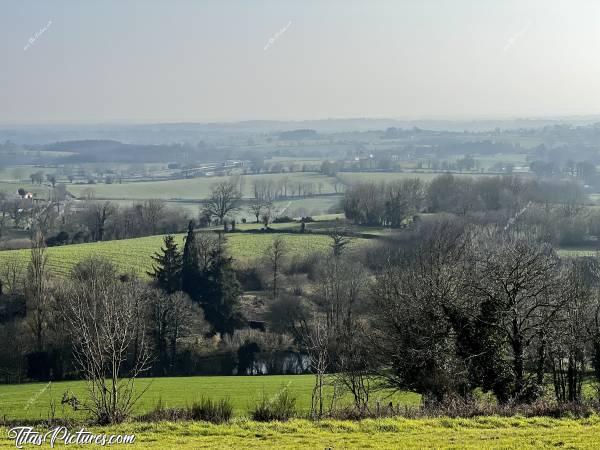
(199,61)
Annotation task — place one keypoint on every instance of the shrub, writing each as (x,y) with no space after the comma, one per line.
(281,407)
(211,411)
(283,219)
(206,409)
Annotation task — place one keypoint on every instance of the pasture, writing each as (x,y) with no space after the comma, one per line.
(193,188)
(134,255)
(32,400)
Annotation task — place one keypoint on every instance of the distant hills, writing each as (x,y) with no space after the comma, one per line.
(165,133)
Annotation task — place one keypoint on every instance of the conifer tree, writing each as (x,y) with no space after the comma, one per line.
(220,293)
(190,268)
(167,271)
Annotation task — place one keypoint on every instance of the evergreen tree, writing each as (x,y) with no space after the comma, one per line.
(167,271)
(221,293)
(190,268)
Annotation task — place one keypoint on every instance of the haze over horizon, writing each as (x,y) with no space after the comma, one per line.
(280,60)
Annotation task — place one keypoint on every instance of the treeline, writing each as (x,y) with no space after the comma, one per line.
(453,311)
(486,308)
(556,208)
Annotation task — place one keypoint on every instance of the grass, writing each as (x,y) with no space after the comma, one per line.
(135,254)
(32,400)
(194,188)
(575,252)
(439,433)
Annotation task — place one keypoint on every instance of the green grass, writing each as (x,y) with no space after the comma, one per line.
(194,188)
(32,400)
(135,254)
(12,188)
(574,252)
(397,433)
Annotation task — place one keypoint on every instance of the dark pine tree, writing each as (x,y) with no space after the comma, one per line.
(190,270)
(167,272)
(221,293)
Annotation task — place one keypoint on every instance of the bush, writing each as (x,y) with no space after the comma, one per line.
(211,411)
(206,409)
(283,219)
(281,407)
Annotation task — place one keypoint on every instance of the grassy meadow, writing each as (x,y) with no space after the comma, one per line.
(193,188)
(32,400)
(397,433)
(135,254)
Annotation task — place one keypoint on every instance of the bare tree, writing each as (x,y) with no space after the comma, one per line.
(105,319)
(37,292)
(275,258)
(11,274)
(315,338)
(224,199)
(268,211)
(207,245)
(518,280)
(171,317)
(152,213)
(100,213)
(255,209)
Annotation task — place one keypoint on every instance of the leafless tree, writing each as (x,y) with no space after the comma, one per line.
(207,245)
(100,213)
(224,199)
(564,340)
(255,209)
(519,279)
(275,258)
(268,212)
(12,274)
(171,317)
(105,319)
(152,213)
(37,292)
(316,342)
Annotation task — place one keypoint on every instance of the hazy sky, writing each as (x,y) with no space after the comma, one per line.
(175,60)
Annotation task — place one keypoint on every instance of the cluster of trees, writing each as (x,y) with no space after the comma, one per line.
(204,272)
(387,204)
(194,294)
(377,204)
(460,309)
(487,309)
(104,220)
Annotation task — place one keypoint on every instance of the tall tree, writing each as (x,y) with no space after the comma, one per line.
(221,292)
(167,271)
(274,258)
(224,198)
(190,269)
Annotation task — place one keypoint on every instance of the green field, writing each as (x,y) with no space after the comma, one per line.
(349,178)
(397,433)
(135,254)
(294,207)
(194,188)
(12,188)
(32,400)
